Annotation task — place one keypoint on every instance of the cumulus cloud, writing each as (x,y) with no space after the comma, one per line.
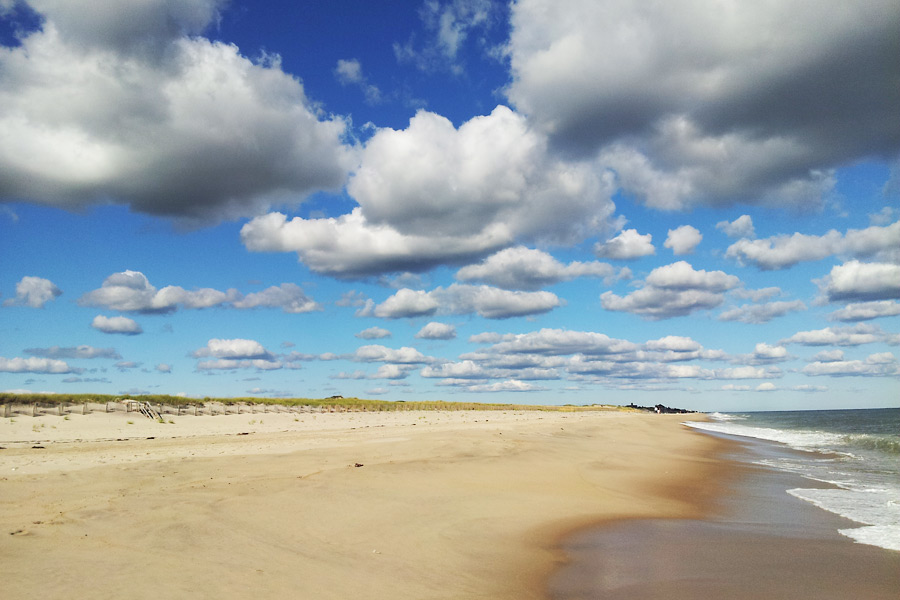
(742,227)
(853,335)
(490,184)
(131,291)
(523,268)
(459,299)
(240,349)
(829,356)
(437,331)
(673,290)
(693,102)
(764,354)
(865,311)
(127,103)
(783,251)
(74,352)
(49,366)
(761,313)
(402,356)
(34,292)
(289,297)
(122,325)
(373,333)
(164,368)
(882,364)
(561,342)
(627,245)
(683,240)
(863,282)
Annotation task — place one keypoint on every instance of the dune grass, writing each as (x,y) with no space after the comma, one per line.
(335,403)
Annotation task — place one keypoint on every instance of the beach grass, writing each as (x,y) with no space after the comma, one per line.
(332,403)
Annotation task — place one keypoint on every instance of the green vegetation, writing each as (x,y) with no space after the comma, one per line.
(327,404)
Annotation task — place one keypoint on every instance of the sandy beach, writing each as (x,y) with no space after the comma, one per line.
(463,504)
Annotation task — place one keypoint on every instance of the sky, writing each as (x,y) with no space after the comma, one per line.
(687,203)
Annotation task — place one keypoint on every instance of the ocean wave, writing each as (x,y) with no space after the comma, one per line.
(877,509)
(877,443)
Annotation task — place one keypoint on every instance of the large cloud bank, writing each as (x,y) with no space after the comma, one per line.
(712,102)
(108,102)
(433,193)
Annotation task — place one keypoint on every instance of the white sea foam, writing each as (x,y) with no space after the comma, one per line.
(884,536)
(797,439)
(878,509)
(856,451)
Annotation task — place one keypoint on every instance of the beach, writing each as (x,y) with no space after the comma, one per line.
(443,504)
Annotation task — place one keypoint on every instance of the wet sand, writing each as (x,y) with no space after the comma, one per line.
(356,505)
(758,542)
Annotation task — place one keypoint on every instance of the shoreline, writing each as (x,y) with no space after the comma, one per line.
(760,542)
(376,505)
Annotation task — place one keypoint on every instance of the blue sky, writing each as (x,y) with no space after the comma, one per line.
(693,203)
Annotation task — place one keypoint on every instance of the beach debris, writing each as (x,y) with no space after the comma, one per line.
(358,465)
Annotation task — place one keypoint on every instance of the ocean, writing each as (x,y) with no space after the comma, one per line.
(856,451)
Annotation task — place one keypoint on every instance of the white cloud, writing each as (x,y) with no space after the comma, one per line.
(761,313)
(742,227)
(674,343)
(561,342)
(692,102)
(683,240)
(768,386)
(523,268)
(437,331)
(829,356)
(229,364)
(449,26)
(289,297)
(673,290)
(783,251)
(854,280)
(376,353)
(83,352)
(490,184)
(35,365)
(854,335)
(883,364)
(465,369)
(764,354)
(233,349)
(122,325)
(373,333)
(34,292)
(127,103)
(682,276)
(459,299)
(627,245)
(349,72)
(164,368)
(391,372)
(131,291)
(511,385)
(864,311)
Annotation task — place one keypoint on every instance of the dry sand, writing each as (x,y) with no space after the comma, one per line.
(393,505)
